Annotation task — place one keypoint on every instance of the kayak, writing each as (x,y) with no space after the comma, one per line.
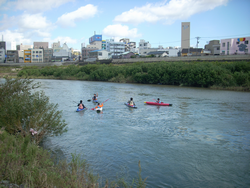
(95,101)
(98,109)
(78,109)
(158,104)
(130,106)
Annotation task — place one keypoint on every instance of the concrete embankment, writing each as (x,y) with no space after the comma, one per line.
(146,60)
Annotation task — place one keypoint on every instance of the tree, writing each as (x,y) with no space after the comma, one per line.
(21,108)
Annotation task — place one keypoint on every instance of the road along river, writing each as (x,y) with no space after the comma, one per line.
(203,140)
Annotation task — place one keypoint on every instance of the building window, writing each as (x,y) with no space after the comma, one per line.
(223,44)
(237,42)
(37,52)
(40,52)
(100,54)
(246,42)
(34,52)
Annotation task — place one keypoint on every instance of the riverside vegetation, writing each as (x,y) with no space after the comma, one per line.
(22,161)
(221,75)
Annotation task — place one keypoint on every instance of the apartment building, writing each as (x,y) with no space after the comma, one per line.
(116,48)
(85,52)
(234,46)
(2,55)
(27,56)
(129,46)
(12,56)
(47,54)
(37,55)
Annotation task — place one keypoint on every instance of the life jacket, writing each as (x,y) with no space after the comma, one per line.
(99,106)
(131,103)
(158,101)
(80,106)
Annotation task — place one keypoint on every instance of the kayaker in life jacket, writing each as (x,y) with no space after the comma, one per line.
(95,97)
(81,105)
(99,106)
(131,102)
(158,100)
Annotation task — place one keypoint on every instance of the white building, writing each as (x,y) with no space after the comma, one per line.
(235,46)
(116,48)
(21,50)
(36,55)
(13,45)
(100,54)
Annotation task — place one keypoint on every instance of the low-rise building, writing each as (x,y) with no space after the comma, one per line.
(37,55)
(47,54)
(127,55)
(12,56)
(159,53)
(234,46)
(40,45)
(85,52)
(213,46)
(100,54)
(27,56)
(192,52)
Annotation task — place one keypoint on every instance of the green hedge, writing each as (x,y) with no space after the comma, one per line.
(199,74)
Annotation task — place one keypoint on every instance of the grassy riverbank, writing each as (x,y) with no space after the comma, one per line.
(26,118)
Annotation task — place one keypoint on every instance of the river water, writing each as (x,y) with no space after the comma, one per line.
(203,140)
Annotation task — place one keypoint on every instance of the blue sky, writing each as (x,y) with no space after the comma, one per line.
(156,21)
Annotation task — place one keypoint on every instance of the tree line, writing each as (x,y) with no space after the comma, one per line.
(197,74)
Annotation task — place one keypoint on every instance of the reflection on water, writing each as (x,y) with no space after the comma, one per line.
(203,140)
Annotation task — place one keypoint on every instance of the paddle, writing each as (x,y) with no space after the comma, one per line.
(101,103)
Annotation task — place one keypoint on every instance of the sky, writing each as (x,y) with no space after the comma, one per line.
(156,21)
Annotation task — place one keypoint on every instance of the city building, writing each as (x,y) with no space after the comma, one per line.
(13,45)
(40,45)
(85,52)
(27,56)
(37,55)
(61,52)
(127,55)
(192,52)
(116,48)
(145,51)
(100,54)
(95,42)
(21,49)
(2,55)
(47,54)
(185,35)
(104,44)
(3,45)
(159,53)
(129,46)
(234,46)
(12,56)
(213,47)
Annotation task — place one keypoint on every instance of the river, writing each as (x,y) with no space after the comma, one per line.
(203,140)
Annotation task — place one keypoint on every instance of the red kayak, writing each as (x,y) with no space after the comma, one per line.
(158,104)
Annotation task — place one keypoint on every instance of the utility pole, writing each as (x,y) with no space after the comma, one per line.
(198,38)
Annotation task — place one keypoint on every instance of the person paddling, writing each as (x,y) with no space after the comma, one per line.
(158,100)
(131,102)
(81,105)
(99,106)
(95,97)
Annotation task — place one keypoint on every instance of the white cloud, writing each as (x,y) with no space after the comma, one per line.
(35,6)
(2,2)
(15,36)
(168,11)
(120,31)
(34,21)
(83,12)
(62,40)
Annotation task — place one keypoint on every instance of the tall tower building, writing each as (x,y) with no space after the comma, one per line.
(185,35)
